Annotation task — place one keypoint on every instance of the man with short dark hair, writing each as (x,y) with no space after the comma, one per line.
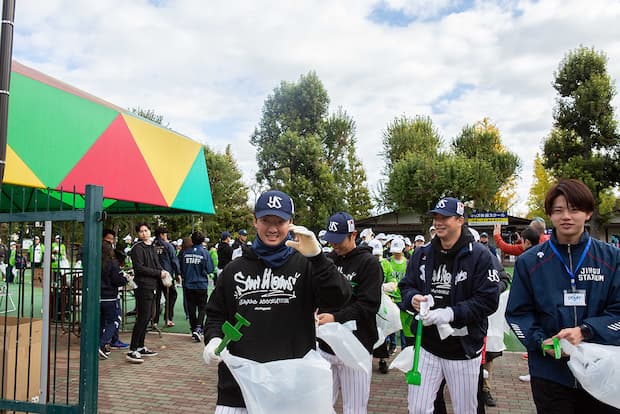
(241,240)
(281,315)
(365,274)
(148,272)
(169,262)
(457,276)
(566,288)
(224,253)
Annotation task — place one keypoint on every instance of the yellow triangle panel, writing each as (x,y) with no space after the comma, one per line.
(17,172)
(168,154)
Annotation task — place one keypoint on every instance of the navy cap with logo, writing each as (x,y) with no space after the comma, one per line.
(339,226)
(225,235)
(243,232)
(274,203)
(449,206)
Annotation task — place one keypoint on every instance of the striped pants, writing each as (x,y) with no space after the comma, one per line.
(355,385)
(461,377)
(221,409)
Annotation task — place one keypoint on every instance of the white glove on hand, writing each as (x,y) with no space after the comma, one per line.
(389,287)
(439,316)
(209,352)
(306,242)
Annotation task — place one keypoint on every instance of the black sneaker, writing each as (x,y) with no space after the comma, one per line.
(488,399)
(144,351)
(383,366)
(196,336)
(103,354)
(134,357)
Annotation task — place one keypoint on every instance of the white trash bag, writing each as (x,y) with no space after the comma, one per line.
(388,319)
(345,345)
(597,368)
(404,360)
(301,386)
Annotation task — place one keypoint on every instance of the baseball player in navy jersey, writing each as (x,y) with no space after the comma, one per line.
(364,273)
(457,276)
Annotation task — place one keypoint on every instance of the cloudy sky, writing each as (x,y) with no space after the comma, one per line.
(208,66)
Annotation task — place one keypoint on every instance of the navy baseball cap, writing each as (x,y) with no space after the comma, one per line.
(484,234)
(274,203)
(339,226)
(225,235)
(449,206)
(243,232)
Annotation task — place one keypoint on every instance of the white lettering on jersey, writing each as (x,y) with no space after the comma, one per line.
(591,273)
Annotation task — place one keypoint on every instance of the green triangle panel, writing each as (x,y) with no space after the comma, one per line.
(51,129)
(195,193)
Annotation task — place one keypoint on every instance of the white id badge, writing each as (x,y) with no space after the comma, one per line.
(576,298)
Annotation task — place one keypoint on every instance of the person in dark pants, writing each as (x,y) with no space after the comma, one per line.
(111,279)
(148,272)
(196,264)
(169,261)
(565,288)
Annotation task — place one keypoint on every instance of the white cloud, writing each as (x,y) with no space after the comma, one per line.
(208,66)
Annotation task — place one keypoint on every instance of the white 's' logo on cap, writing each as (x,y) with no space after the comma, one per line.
(274,202)
(333,226)
(441,203)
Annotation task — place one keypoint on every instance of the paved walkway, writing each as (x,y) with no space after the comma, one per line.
(178,381)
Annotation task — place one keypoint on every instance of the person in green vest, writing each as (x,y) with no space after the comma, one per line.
(398,261)
(389,286)
(36,252)
(16,265)
(59,253)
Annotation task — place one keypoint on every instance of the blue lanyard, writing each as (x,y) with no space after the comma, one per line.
(573,285)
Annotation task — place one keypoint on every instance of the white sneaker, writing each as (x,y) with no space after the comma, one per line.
(524,378)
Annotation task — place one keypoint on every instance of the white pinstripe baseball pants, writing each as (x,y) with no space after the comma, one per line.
(222,409)
(461,378)
(355,385)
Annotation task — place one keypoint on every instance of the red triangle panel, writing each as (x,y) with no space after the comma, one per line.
(109,162)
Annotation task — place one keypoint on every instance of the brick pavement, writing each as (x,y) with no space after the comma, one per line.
(178,381)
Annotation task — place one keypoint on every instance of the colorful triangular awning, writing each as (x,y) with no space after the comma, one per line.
(62,138)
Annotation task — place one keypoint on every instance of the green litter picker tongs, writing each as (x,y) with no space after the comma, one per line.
(413,376)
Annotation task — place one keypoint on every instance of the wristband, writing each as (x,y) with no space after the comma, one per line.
(586,331)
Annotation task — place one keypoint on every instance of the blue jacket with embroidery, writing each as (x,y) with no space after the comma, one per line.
(536,308)
(474,293)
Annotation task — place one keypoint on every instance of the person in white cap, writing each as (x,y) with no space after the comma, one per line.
(418,241)
(432,232)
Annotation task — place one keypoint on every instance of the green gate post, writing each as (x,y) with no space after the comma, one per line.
(91,284)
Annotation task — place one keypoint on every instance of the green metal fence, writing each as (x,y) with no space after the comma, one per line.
(49,301)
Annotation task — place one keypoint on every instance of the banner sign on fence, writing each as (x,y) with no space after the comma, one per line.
(488,218)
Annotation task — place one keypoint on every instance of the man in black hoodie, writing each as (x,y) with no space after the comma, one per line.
(458,276)
(276,284)
(364,273)
(148,273)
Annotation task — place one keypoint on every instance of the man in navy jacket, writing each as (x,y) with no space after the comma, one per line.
(459,277)
(567,287)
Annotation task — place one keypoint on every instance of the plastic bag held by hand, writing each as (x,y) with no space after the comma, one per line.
(167,279)
(300,386)
(597,368)
(306,242)
(345,346)
(209,352)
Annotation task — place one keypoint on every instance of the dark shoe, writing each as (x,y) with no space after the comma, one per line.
(383,366)
(488,399)
(134,357)
(120,345)
(103,354)
(131,313)
(145,352)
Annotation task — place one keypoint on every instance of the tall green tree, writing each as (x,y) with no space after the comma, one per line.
(308,154)
(541,184)
(420,172)
(584,141)
(230,196)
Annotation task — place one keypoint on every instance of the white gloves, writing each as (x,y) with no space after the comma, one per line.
(209,352)
(306,242)
(439,316)
(389,287)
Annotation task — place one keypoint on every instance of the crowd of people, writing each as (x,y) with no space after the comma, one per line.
(288,281)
